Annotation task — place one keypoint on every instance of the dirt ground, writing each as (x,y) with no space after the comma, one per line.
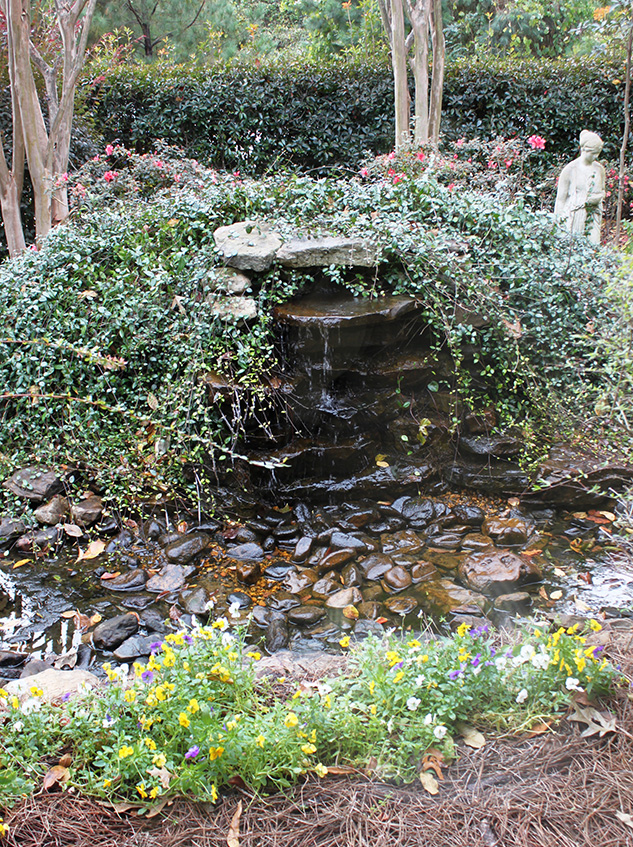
(557,789)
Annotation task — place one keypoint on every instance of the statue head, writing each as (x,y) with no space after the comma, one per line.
(590,142)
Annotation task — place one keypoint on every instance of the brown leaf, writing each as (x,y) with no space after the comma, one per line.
(162,774)
(529,553)
(69,613)
(152,401)
(341,770)
(174,613)
(182,526)
(238,782)
(472,737)
(158,807)
(73,530)
(21,563)
(110,574)
(233,837)
(598,723)
(57,775)
(433,760)
(556,595)
(66,760)
(429,782)
(94,549)
(540,729)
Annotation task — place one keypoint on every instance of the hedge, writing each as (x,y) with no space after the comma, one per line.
(315,117)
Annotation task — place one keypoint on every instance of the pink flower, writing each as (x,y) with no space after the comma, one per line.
(364,172)
(507,162)
(469,160)
(536,142)
(109,176)
(95,158)
(455,156)
(392,155)
(109,150)
(421,156)
(176,177)
(492,164)
(398,178)
(460,143)
(158,163)
(80,189)
(451,186)
(33,247)
(391,172)
(61,180)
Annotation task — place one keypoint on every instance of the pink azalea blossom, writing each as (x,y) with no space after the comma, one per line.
(95,158)
(398,178)
(421,156)
(536,142)
(109,150)
(451,186)
(392,155)
(507,162)
(364,172)
(109,176)
(391,172)
(460,143)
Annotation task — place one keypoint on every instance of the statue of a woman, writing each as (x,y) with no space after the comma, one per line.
(581,188)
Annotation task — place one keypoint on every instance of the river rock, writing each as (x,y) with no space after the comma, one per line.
(120,542)
(343,541)
(134,647)
(34,484)
(406,539)
(476,541)
(248,572)
(279,569)
(196,601)
(346,597)
(294,583)
(248,245)
(401,605)
(10,531)
(306,615)
(499,446)
(129,581)
(246,552)
(469,515)
(187,548)
(302,550)
(366,627)
(108,635)
(418,511)
(443,596)
(351,575)
(243,600)
(396,579)
(53,512)
(376,560)
(169,578)
(336,559)
(276,637)
(422,570)
(497,572)
(506,531)
(358,518)
(54,684)
(87,511)
(446,541)
(283,601)
(369,609)
(324,588)
(41,539)
(517,602)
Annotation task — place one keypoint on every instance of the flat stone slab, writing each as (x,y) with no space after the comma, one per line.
(345,311)
(329,250)
(54,684)
(248,245)
(235,308)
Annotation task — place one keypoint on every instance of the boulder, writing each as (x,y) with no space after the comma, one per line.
(54,683)
(235,309)
(34,484)
(228,281)
(327,250)
(129,581)
(109,634)
(88,511)
(53,512)
(497,572)
(306,615)
(507,531)
(248,245)
(187,548)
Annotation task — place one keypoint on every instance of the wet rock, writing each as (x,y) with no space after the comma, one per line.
(506,531)
(389,524)
(108,525)
(187,548)
(279,570)
(263,615)
(130,581)
(88,511)
(500,446)
(136,602)
(53,683)
(282,601)
(480,423)
(294,583)
(166,538)
(422,570)
(396,579)
(343,541)
(372,591)
(248,572)
(41,539)
(248,245)
(153,530)
(246,552)
(10,531)
(34,666)
(369,609)
(497,572)
(84,656)
(53,512)
(134,647)
(302,550)
(443,596)
(351,575)
(407,539)
(120,542)
(517,602)
(277,635)
(366,627)
(306,615)
(153,621)
(401,605)
(337,558)
(447,541)
(376,560)
(327,250)
(170,578)
(243,600)
(12,658)
(324,588)
(359,518)
(244,535)
(34,484)
(476,541)
(197,601)
(108,635)
(345,597)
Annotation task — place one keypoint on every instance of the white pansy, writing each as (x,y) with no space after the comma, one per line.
(413,703)
(522,695)
(33,704)
(440,731)
(500,662)
(419,680)
(234,609)
(541,660)
(573,684)
(428,720)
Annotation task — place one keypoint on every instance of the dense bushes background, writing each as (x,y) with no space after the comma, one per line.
(316,116)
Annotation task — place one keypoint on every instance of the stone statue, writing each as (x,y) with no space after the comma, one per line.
(581,188)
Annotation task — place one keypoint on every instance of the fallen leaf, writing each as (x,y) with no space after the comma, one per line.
(626,819)
(152,401)
(57,775)
(381,620)
(608,515)
(351,612)
(380,457)
(94,549)
(69,613)
(585,577)
(174,613)
(582,606)
(581,516)
(158,808)
(556,595)
(94,619)
(233,838)
(535,552)
(559,572)
(598,723)
(341,770)
(182,526)
(382,464)
(66,760)
(576,545)
(238,782)
(539,729)
(472,737)
(110,574)
(21,563)
(514,502)
(73,530)
(429,782)
(162,774)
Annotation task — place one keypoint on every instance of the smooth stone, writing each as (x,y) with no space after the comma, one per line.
(33,483)
(208,525)
(120,542)
(136,602)
(326,251)
(419,511)
(497,572)
(187,548)
(389,524)
(499,446)
(228,281)
(153,621)
(469,515)
(248,245)
(306,615)
(401,605)
(110,633)
(444,596)
(422,570)
(343,541)
(406,539)
(88,511)
(167,537)
(476,541)
(294,583)
(516,602)
(41,539)
(245,552)
(282,601)
(129,581)
(302,550)
(152,530)
(12,658)
(248,572)
(34,666)
(279,570)
(446,542)
(53,512)
(506,531)
(396,579)
(324,588)
(372,591)
(196,601)
(378,560)
(277,635)
(351,575)
(262,616)
(346,597)
(134,647)
(239,597)
(170,578)
(10,531)
(53,683)
(366,627)
(369,609)
(337,558)
(244,535)
(360,518)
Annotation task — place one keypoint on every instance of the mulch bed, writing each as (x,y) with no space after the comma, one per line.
(553,790)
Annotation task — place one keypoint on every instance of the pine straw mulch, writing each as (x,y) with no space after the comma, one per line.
(554,790)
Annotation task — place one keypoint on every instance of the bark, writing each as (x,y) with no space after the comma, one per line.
(419,14)
(437,79)
(10,207)
(400,80)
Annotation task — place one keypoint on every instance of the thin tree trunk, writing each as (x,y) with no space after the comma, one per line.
(437,79)
(10,207)
(625,136)
(400,80)
(420,21)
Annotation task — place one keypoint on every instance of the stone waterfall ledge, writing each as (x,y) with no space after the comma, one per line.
(253,246)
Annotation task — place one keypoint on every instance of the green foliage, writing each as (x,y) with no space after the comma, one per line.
(194,717)
(315,116)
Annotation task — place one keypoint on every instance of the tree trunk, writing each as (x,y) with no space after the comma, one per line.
(400,80)
(420,21)
(625,136)
(10,207)
(437,79)
(147,41)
